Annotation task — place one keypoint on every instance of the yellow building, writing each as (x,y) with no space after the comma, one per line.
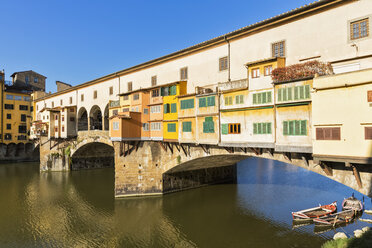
(342,117)
(186,119)
(170,93)
(2,81)
(16,115)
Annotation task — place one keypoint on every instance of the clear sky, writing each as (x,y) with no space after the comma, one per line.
(75,41)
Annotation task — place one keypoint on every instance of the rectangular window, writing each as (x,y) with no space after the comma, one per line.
(187,104)
(26,99)
(115,125)
(61,102)
(234,128)
(8,126)
(155,126)
(63,128)
(130,84)
(255,73)
(368,133)
(183,73)
(223,64)
(126,97)
(18,98)
(173,108)
(202,102)
(146,111)
(268,69)
(173,90)
(8,136)
(56,129)
(239,99)
(95,94)
(56,117)
(359,29)
(155,109)
(278,49)
(82,97)
(165,91)
(262,128)
(27,79)
(115,112)
(23,107)
(9,106)
(111,90)
(9,116)
(211,101)
(328,133)
(228,100)
(171,127)
(63,118)
(135,97)
(155,93)
(73,118)
(262,97)
(70,100)
(369,96)
(9,97)
(36,80)
(225,128)
(52,104)
(145,126)
(186,126)
(23,118)
(295,128)
(153,81)
(208,125)
(166,108)
(22,129)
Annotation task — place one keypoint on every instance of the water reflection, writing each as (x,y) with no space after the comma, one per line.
(78,209)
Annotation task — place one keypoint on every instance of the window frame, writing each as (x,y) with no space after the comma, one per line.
(253,74)
(359,22)
(154,80)
(277,43)
(184,74)
(223,63)
(234,128)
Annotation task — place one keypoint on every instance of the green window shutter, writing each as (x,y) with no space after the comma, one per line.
(304,127)
(269,128)
(237,99)
(162,91)
(289,93)
(174,108)
(192,103)
(254,128)
(279,95)
(290,127)
(166,108)
(182,104)
(296,92)
(285,127)
(307,91)
(205,127)
(224,128)
(259,98)
(171,127)
(186,126)
(211,127)
(302,96)
(263,97)
(269,100)
(209,118)
(297,127)
(241,99)
(259,128)
(211,100)
(254,98)
(173,90)
(230,100)
(202,102)
(264,128)
(284,94)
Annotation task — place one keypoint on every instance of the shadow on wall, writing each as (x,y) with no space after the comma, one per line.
(19,152)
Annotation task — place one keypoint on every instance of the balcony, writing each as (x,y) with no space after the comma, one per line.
(114,104)
(232,85)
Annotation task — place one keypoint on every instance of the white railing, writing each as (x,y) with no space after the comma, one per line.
(237,84)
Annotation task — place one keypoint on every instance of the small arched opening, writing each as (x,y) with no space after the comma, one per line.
(82,119)
(95,117)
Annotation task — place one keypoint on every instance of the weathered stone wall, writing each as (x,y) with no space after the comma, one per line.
(19,152)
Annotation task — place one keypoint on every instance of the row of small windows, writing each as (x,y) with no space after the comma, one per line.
(255,72)
(17,98)
(11,106)
(294,93)
(8,136)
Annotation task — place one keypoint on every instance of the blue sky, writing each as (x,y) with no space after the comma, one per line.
(75,41)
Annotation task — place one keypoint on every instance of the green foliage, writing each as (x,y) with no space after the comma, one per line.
(178,159)
(365,241)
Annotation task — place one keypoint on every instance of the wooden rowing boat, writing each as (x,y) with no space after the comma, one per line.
(336,219)
(352,203)
(312,213)
(366,220)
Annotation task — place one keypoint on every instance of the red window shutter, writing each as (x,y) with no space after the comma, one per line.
(369,95)
(368,133)
(336,133)
(327,134)
(319,133)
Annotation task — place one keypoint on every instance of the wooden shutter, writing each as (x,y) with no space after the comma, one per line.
(368,133)
(284,94)
(259,99)
(303,127)
(327,133)
(269,128)
(202,102)
(224,128)
(254,128)
(285,127)
(319,133)
(259,128)
(336,133)
(289,93)
(369,96)
(264,128)
(291,127)
(296,92)
(254,98)
(280,95)
(269,100)
(297,128)
(263,97)
(302,92)
(307,91)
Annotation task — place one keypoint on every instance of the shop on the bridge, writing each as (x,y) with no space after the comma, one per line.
(186,119)
(156,113)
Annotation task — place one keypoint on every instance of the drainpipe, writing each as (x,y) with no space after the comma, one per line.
(228,57)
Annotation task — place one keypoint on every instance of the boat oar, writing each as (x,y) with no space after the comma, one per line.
(334,223)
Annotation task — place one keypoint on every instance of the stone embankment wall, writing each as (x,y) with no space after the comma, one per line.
(19,152)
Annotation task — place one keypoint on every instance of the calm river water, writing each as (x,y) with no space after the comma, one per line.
(78,209)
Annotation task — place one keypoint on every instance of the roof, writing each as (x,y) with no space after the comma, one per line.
(307,8)
(149,88)
(272,59)
(27,71)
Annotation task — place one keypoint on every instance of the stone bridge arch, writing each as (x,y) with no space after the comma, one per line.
(92,155)
(158,167)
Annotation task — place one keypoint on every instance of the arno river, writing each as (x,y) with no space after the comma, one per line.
(78,209)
